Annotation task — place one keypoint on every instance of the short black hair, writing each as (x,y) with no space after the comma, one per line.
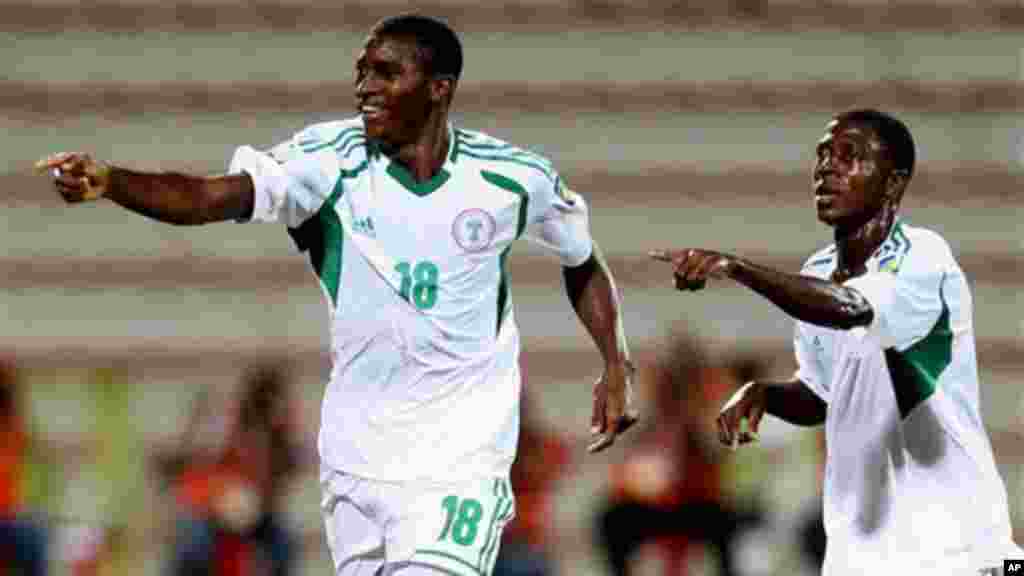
(440,50)
(893,133)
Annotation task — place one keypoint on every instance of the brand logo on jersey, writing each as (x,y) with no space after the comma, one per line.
(473,230)
(818,345)
(364,226)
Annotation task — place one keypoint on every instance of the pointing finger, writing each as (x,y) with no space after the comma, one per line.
(52,161)
(662,255)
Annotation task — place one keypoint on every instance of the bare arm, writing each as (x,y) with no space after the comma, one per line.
(182,199)
(591,290)
(808,299)
(167,196)
(791,401)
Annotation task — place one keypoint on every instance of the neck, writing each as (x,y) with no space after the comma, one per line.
(425,155)
(856,245)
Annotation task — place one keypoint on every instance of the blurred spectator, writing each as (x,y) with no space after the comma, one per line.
(230,522)
(665,493)
(23,538)
(543,459)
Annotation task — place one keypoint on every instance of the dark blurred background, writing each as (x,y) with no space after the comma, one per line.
(132,447)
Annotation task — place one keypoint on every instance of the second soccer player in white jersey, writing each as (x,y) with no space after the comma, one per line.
(407,222)
(886,354)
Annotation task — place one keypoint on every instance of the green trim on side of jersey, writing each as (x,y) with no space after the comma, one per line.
(514,187)
(502,288)
(399,173)
(915,371)
(322,236)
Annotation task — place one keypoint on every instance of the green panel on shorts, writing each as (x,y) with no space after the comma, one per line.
(915,371)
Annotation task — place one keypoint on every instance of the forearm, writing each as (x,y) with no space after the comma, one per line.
(793,402)
(182,199)
(805,298)
(591,290)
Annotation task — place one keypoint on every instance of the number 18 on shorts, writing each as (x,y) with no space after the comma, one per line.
(454,529)
(468,530)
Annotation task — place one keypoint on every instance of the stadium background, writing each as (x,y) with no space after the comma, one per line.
(683,123)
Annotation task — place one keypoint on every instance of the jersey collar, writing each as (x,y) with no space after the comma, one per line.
(404,177)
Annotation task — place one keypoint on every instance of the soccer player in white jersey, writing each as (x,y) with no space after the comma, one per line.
(407,221)
(886,353)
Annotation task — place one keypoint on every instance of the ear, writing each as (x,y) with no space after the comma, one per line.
(896,184)
(442,87)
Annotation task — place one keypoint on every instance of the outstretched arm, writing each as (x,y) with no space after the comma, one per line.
(168,197)
(592,292)
(808,299)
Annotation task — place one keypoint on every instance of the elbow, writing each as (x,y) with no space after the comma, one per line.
(854,311)
(849,320)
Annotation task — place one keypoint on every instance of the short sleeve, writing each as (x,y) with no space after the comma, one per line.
(809,369)
(289,185)
(906,301)
(558,220)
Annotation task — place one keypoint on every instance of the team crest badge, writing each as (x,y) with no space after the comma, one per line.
(473,230)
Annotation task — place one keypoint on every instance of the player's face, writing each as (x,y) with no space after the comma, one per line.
(850,175)
(392,90)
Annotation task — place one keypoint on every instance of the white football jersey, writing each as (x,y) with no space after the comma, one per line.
(425,382)
(911,485)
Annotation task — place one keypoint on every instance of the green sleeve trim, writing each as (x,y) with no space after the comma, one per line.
(915,371)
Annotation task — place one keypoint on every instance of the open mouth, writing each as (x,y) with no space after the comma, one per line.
(824,196)
(371,113)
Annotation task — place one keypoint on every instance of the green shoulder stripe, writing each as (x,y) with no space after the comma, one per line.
(504,149)
(351,146)
(320,145)
(511,159)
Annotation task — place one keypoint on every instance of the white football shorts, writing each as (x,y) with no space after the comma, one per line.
(376,528)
